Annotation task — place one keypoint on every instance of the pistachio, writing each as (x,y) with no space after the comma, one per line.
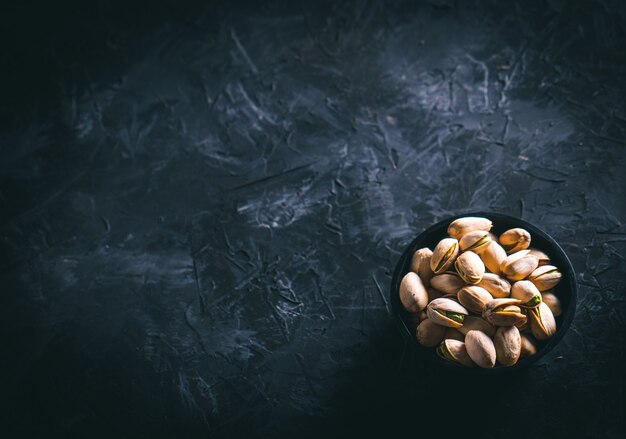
(413,294)
(541,321)
(508,344)
(503,312)
(496,285)
(454,334)
(422,315)
(429,333)
(461,226)
(470,267)
(414,319)
(527,293)
(476,323)
(545,277)
(444,255)
(493,256)
(519,265)
(522,325)
(474,298)
(553,303)
(454,350)
(420,264)
(514,240)
(543,258)
(433,294)
(480,349)
(446,312)
(493,237)
(476,241)
(447,283)
(528,346)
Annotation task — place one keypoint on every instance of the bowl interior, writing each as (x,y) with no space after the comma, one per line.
(566,290)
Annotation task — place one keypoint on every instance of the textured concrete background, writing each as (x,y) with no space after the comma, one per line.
(201,207)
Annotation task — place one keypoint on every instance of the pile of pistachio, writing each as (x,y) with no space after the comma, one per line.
(479,298)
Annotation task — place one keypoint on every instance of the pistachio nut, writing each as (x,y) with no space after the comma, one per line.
(545,277)
(476,241)
(470,267)
(480,349)
(522,325)
(429,333)
(413,294)
(519,265)
(527,293)
(503,312)
(493,237)
(433,294)
(447,283)
(454,334)
(514,240)
(508,342)
(422,315)
(496,285)
(493,256)
(476,323)
(454,350)
(553,303)
(474,298)
(461,226)
(541,321)
(444,255)
(528,346)
(446,312)
(420,264)
(543,258)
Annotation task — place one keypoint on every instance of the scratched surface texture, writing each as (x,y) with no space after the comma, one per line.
(201,207)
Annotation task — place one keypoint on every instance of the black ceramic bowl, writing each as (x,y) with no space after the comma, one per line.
(566,290)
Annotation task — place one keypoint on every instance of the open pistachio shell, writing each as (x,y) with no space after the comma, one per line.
(430,334)
(553,303)
(504,312)
(461,226)
(477,323)
(476,241)
(545,277)
(528,346)
(493,256)
(526,292)
(480,349)
(543,258)
(444,255)
(497,286)
(508,344)
(420,264)
(454,350)
(413,294)
(519,265)
(470,267)
(446,312)
(454,334)
(541,322)
(474,298)
(514,240)
(447,283)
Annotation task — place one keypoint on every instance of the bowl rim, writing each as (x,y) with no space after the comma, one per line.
(566,317)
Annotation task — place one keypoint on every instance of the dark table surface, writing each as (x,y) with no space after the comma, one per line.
(201,207)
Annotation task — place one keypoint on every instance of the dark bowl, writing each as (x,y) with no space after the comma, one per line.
(566,290)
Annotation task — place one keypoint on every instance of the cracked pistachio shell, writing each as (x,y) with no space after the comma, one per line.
(454,350)
(553,303)
(413,294)
(493,237)
(514,240)
(446,312)
(476,241)
(545,277)
(476,323)
(528,346)
(497,286)
(470,267)
(522,325)
(474,298)
(444,255)
(504,312)
(420,264)
(526,292)
(508,342)
(461,226)
(454,334)
(447,283)
(519,265)
(543,258)
(430,334)
(480,349)
(493,256)
(541,322)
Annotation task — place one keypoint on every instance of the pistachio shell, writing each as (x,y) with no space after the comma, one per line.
(522,325)
(461,226)
(545,277)
(541,321)
(423,315)
(420,264)
(446,312)
(454,334)
(553,303)
(476,323)
(454,350)
(543,258)
(527,293)
(414,319)
(470,267)
(514,240)
(480,349)
(493,256)
(528,346)
(503,312)
(493,237)
(476,241)
(433,294)
(474,298)
(413,294)
(447,283)
(508,344)
(430,334)
(519,265)
(497,286)
(444,255)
